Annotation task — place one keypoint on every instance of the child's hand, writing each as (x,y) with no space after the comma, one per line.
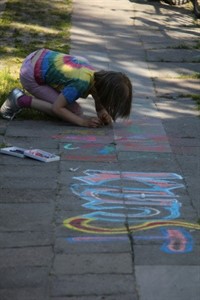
(104,117)
(92,122)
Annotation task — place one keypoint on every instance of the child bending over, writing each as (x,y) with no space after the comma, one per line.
(56,80)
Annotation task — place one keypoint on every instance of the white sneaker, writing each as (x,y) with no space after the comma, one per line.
(10,108)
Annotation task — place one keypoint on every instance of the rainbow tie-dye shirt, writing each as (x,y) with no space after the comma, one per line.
(70,75)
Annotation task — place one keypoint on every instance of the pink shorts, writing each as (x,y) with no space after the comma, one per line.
(42,92)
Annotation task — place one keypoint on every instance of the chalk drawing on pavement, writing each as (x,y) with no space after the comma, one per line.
(107,194)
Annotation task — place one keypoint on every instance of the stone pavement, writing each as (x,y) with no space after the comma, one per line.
(117,216)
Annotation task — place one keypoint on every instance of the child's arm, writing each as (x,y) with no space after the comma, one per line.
(59,108)
(102,114)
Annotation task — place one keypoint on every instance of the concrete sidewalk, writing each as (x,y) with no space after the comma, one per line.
(117,217)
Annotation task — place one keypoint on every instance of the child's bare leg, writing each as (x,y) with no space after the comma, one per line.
(42,106)
(46,107)
(17,100)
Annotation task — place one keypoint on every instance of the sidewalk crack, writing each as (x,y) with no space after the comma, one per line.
(132,245)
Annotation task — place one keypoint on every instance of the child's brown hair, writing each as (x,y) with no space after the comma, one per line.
(114,90)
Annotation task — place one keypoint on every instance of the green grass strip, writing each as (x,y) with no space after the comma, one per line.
(26,26)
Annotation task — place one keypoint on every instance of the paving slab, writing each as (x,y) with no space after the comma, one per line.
(104,263)
(82,243)
(26,195)
(25,216)
(94,284)
(26,238)
(25,293)
(176,87)
(17,277)
(16,257)
(177,287)
(118,216)
(174,55)
(175,72)
(96,297)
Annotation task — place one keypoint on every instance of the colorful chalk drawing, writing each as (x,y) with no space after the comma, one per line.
(144,135)
(87,148)
(70,147)
(104,149)
(150,204)
(89,152)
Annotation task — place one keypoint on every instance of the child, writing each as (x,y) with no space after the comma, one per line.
(56,80)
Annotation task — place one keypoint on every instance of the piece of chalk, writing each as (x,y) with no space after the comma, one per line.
(73,169)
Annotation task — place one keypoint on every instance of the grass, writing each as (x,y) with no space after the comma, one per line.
(190,76)
(26,26)
(186,46)
(194,97)
(197,99)
(197,46)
